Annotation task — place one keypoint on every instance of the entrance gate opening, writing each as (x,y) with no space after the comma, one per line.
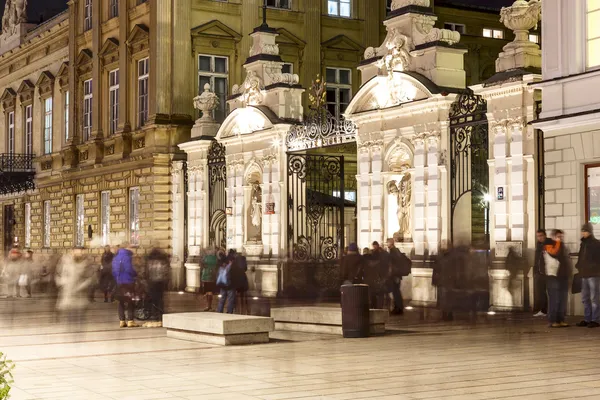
(469,170)
(217,198)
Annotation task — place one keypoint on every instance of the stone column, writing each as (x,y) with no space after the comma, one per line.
(183,91)
(178,198)
(434,190)
(499,210)
(419,195)
(161,22)
(363,196)
(73,78)
(124,124)
(272,192)
(377,192)
(251,16)
(518,178)
(312,34)
(235,201)
(97,89)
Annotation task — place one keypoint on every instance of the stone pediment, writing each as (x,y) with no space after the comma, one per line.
(84,62)
(216,30)
(109,51)
(8,98)
(25,91)
(387,91)
(247,120)
(139,38)
(63,74)
(287,37)
(342,42)
(45,83)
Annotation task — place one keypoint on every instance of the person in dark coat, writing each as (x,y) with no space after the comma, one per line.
(107,282)
(239,279)
(395,276)
(226,285)
(558,272)
(540,299)
(588,265)
(158,266)
(352,266)
(376,273)
(125,275)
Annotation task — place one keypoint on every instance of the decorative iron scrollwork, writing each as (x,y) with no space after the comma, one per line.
(16,173)
(217,179)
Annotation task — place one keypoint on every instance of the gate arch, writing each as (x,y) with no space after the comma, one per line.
(217,198)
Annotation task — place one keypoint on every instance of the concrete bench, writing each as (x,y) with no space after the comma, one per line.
(327,320)
(221,329)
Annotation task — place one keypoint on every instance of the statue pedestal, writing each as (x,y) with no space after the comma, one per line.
(14,36)
(254,249)
(205,128)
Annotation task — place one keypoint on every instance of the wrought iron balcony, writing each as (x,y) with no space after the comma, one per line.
(16,172)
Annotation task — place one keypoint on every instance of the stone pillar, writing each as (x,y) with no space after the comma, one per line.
(251,13)
(97,89)
(73,78)
(124,124)
(371,15)
(161,22)
(312,34)
(235,202)
(178,199)
(377,192)
(419,195)
(272,183)
(434,189)
(183,91)
(499,210)
(518,179)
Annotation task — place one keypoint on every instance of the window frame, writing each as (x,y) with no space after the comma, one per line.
(339,3)
(143,91)
(454,25)
(134,215)
(278,6)
(27,216)
(338,87)
(66,116)
(87,15)
(28,129)
(79,220)
(87,109)
(113,101)
(212,75)
(47,126)
(47,217)
(291,65)
(105,217)
(586,188)
(589,67)
(113,9)
(10,132)
(493,32)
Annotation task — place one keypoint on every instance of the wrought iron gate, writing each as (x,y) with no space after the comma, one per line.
(217,199)
(469,160)
(315,207)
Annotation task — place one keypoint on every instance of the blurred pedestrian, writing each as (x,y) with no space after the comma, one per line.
(13,272)
(125,275)
(28,271)
(239,279)
(208,277)
(588,265)
(558,272)
(540,299)
(378,266)
(158,266)
(227,290)
(107,281)
(352,267)
(400,266)
(73,279)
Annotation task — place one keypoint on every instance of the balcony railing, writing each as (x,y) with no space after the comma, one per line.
(16,172)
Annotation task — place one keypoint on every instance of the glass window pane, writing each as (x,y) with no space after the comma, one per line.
(345,76)
(593,25)
(487,33)
(345,10)
(331,108)
(593,194)
(345,96)
(221,65)
(203,80)
(593,53)
(331,97)
(593,5)
(330,75)
(221,86)
(498,34)
(204,64)
(332,7)
(287,68)
(284,3)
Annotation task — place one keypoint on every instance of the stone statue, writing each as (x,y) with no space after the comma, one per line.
(256,208)
(15,12)
(403,193)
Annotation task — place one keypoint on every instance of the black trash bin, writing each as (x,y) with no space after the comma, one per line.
(355,311)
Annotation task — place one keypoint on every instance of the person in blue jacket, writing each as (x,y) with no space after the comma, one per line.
(125,274)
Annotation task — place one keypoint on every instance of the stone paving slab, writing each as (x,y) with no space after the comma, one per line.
(501,358)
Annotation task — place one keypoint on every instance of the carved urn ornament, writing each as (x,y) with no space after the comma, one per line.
(520,18)
(207,102)
(397,4)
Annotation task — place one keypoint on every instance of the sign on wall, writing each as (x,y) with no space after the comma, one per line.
(500,193)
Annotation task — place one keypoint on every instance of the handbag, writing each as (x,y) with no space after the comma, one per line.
(576,285)
(23,280)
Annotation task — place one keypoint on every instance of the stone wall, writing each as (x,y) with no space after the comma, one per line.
(565,157)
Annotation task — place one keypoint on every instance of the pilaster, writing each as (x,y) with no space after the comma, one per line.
(161,20)
(434,189)
(250,12)
(312,34)
(97,90)
(420,195)
(183,90)
(124,124)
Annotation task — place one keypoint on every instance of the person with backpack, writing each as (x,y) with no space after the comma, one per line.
(125,275)
(227,290)
(239,280)
(158,271)
(400,266)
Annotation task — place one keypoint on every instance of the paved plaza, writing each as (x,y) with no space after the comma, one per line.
(505,357)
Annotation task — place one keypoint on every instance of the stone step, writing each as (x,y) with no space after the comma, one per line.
(327,320)
(216,328)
